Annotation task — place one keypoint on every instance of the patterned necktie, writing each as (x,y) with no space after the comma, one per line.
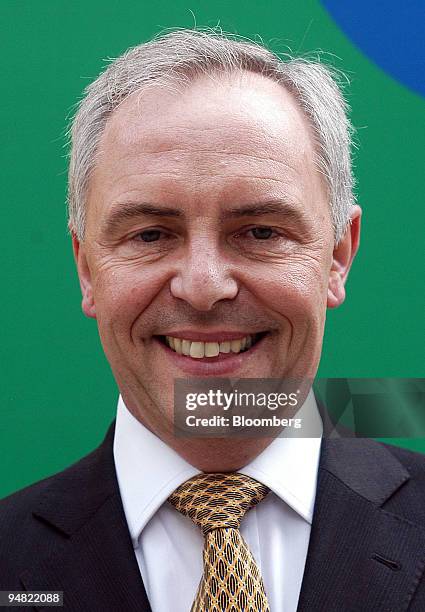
(217,503)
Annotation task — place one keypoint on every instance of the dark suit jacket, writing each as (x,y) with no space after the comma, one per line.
(366,552)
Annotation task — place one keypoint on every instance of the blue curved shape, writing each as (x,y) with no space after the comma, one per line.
(390,32)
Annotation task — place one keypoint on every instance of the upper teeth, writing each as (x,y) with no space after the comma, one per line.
(207,349)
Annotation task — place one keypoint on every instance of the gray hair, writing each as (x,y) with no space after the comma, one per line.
(180,56)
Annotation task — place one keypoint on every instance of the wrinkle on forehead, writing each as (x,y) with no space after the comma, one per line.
(156,119)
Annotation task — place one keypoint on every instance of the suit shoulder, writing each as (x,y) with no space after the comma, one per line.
(413,461)
(31,518)
(409,500)
(17,503)
(85,470)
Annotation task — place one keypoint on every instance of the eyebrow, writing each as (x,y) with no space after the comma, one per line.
(284,208)
(127,211)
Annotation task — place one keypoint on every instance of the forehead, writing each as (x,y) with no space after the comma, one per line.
(243,108)
(223,134)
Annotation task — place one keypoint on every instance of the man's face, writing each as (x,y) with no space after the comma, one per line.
(208,223)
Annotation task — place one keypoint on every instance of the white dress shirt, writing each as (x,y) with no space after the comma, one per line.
(168,546)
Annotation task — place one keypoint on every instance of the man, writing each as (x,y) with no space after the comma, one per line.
(213,223)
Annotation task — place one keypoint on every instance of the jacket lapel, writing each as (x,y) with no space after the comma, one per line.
(91,557)
(361,557)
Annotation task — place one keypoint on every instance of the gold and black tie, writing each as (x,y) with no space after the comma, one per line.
(217,503)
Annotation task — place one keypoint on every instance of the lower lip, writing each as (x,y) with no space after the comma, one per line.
(222,364)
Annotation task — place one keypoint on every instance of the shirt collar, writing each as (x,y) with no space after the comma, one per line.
(148,470)
(288,466)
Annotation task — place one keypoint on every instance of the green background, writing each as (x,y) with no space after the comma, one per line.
(58,394)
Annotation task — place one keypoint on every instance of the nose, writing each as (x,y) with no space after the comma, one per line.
(204,278)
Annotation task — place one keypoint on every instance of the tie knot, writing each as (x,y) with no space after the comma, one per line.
(216,501)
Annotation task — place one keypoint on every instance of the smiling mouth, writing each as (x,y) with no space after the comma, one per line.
(202,350)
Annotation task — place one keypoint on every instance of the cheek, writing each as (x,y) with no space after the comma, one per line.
(295,290)
(121,294)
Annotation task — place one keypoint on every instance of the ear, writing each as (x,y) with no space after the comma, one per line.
(84,275)
(342,259)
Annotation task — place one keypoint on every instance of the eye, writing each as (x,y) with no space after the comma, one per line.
(150,235)
(262,233)
(152,239)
